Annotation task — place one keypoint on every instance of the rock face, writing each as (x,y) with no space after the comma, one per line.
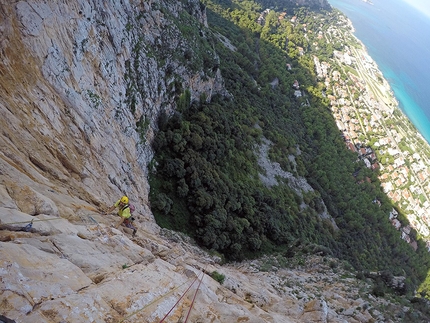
(81,86)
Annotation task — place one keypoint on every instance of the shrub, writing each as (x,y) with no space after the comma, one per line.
(218,277)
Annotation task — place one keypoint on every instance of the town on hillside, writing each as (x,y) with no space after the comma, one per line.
(370,121)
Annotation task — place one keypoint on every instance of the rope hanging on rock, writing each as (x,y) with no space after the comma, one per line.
(194,298)
(37,220)
(178,300)
(154,301)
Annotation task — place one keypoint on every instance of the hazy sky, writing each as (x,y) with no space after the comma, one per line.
(421,5)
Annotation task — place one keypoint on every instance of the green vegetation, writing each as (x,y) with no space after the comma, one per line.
(142,127)
(94,98)
(207,182)
(218,277)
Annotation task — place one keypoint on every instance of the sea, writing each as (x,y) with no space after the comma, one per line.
(397,37)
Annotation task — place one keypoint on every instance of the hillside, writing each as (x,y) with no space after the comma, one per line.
(294,94)
(104,99)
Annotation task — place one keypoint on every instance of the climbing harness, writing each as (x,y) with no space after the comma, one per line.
(129,224)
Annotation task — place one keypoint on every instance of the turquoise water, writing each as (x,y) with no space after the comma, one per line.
(397,37)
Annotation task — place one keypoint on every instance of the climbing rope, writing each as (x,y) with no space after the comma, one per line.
(100,230)
(195,294)
(51,219)
(156,300)
(92,219)
(178,300)
(29,225)
(37,220)
(194,298)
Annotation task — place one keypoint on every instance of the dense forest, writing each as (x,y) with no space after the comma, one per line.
(206,178)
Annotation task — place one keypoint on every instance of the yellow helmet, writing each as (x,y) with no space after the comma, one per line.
(124,199)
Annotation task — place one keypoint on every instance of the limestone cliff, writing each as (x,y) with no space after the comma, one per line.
(81,86)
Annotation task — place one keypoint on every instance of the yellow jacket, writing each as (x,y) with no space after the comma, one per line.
(124,210)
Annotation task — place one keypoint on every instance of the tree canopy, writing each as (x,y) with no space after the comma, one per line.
(207,179)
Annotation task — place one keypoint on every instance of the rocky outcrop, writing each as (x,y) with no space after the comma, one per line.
(81,87)
(87,271)
(299,184)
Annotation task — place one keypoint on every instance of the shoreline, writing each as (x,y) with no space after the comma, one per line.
(386,127)
(406,88)
(389,86)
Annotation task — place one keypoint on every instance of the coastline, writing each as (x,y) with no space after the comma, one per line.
(403,153)
(393,33)
(388,86)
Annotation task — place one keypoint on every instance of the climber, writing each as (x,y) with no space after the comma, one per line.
(124,213)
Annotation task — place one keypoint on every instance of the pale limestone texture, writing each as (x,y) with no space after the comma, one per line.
(70,147)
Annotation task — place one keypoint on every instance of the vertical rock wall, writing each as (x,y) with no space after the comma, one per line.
(81,86)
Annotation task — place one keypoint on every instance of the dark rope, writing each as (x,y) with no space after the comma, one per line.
(179,299)
(37,220)
(194,298)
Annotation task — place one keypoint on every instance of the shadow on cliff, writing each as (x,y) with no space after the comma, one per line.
(262,76)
